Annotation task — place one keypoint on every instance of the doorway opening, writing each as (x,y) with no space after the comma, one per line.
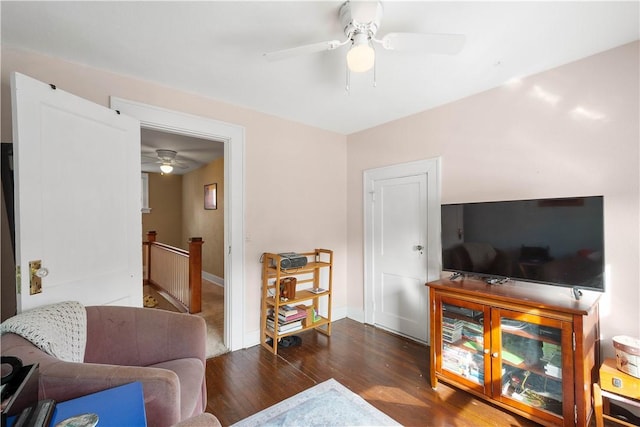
(175,209)
(232,136)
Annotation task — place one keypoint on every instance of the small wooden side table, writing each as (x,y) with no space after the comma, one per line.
(617,386)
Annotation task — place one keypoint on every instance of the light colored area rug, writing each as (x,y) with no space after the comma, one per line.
(326,404)
(212,312)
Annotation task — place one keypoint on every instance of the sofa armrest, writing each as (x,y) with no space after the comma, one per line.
(62,381)
(142,336)
(203,420)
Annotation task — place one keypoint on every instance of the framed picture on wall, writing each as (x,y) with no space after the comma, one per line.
(211,196)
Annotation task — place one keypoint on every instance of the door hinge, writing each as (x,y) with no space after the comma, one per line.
(575,414)
(229,250)
(373,195)
(573,337)
(18,279)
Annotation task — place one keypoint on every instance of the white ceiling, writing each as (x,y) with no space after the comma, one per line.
(215,49)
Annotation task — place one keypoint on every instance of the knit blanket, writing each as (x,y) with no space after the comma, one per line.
(57,329)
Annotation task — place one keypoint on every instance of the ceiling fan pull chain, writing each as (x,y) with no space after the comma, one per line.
(375,63)
(348,84)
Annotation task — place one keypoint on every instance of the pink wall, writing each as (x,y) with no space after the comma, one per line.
(573,130)
(295,197)
(517,141)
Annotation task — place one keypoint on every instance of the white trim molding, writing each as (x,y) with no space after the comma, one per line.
(233,137)
(430,167)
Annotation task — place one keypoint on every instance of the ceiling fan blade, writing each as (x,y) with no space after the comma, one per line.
(179,164)
(445,44)
(302,50)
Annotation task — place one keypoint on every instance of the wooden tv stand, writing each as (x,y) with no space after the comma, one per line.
(528,348)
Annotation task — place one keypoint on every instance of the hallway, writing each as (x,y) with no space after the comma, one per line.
(212,312)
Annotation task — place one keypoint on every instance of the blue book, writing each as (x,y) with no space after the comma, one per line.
(115,407)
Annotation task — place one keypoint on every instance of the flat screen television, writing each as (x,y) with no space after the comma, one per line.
(551,241)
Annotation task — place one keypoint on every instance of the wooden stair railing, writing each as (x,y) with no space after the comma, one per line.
(174,272)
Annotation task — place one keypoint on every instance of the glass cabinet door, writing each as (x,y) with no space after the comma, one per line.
(463,353)
(530,361)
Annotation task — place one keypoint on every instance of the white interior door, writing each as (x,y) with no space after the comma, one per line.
(403,246)
(77,177)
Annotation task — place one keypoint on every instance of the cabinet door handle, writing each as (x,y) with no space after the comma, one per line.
(495,355)
(486,351)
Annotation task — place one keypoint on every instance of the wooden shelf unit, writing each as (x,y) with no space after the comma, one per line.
(318,273)
(500,355)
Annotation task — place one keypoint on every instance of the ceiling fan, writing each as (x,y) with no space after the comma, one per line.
(361,22)
(166,159)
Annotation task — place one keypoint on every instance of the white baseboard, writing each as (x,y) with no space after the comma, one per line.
(356,314)
(213,278)
(339,313)
(253,338)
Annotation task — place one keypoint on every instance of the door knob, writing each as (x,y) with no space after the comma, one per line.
(42,272)
(37,272)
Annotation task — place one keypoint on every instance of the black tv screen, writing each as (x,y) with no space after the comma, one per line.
(551,241)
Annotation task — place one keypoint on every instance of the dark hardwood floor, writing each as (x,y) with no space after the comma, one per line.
(388,371)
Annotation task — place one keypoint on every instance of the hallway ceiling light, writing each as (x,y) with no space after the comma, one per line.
(166,159)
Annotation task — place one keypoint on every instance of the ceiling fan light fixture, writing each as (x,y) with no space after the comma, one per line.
(361,56)
(166,168)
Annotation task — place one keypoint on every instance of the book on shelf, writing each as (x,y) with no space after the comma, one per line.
(299,328)
(283,321)
(463,362)
(451,329)
(287,310)
(287,327)
(284,326)
(300,313)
